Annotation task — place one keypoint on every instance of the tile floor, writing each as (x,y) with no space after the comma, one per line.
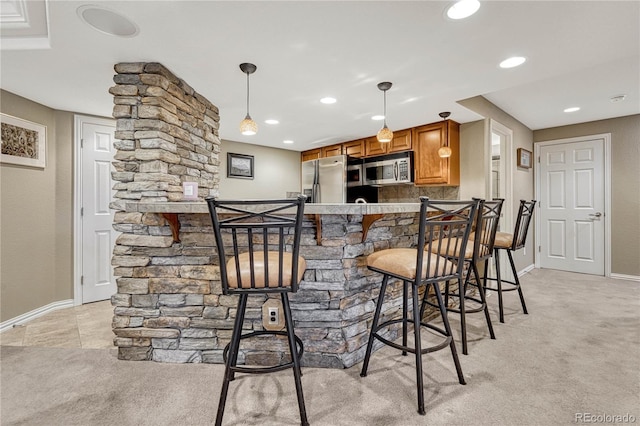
(86,326)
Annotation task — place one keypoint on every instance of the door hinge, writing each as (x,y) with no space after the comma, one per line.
(82,280)
(81,143)
(81,211)
(539,249)
(538,158)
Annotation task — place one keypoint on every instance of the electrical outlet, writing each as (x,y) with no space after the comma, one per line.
(273,315)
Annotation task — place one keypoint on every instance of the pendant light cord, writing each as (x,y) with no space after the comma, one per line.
(247,94)
(385,108)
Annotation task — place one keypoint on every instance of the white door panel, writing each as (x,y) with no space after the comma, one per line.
(98,236)
(572,207)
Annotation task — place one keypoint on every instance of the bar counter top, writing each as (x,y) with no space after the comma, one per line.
(310,208)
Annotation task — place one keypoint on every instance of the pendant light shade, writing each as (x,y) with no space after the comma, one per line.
(385,134)
(248,127)
(445,151)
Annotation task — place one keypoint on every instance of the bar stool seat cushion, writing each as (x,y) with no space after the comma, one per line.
(258,266)
(503,240)
(453,249)
(402,262)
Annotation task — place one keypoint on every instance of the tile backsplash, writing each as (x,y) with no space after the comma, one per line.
(410,193)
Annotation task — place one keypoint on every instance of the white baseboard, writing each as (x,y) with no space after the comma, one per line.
(625,277)
(527,269)
(8,324)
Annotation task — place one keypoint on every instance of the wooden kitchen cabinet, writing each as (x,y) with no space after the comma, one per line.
(373,147)
(312,154)
(401,142)
(429,167)
(330,151)
(354,148)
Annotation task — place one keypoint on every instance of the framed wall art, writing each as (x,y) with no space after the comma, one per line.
(524,158)
(23,142)
(239,166)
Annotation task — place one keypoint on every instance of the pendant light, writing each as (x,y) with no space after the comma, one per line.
(385,134)
(248,127)
(445,151)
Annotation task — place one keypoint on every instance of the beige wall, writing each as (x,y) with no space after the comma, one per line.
(35,238)
(472,166)
(523,183)
(276,172)
(625,184)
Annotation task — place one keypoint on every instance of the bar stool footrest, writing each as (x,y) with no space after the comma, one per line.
(268,369)
(433,348)
(512,285)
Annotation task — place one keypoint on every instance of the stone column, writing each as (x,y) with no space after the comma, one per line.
(168,134)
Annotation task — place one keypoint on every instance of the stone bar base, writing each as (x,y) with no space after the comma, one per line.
(170,307)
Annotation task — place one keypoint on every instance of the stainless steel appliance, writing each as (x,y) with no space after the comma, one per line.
(389,169)
(325,180)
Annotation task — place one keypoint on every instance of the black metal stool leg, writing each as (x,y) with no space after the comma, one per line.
(447,328)
(499,281)
(232,357)
(418,346)
(462,290)
(517,281)
(405,308)
(483,297)
(374,325)
(294,357)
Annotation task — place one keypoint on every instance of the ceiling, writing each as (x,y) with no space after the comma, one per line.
(578,54)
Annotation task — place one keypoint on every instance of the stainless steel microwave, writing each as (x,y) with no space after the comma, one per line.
(389,169)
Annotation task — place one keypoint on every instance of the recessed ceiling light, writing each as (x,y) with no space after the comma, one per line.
(287,141)
(463,9)
(271,121)
(378,117)
(328,100)
(514,61)
(618,98)
(572,109)
(107,21)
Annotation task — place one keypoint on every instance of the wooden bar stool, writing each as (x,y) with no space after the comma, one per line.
(479,249)
(263,258)
(510,243)
(444,227)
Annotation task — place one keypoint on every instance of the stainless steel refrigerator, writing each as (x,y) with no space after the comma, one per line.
(325,180)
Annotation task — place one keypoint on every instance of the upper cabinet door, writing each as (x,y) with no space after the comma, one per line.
(354,148)
(373,147)
(312,154)
(330,151)
(401,141)
(430,168)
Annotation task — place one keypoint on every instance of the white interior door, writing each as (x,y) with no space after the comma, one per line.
(96,219)
(500,186)
(572,206)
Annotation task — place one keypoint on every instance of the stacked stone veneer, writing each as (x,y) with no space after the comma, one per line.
(169,305)
(168,134)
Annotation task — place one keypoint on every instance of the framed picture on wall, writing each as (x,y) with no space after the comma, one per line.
(239,166)
(524,158)
(23,142)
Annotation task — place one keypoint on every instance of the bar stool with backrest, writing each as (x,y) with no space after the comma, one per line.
(444,227)
(479,250)
(510,243)
(264,236)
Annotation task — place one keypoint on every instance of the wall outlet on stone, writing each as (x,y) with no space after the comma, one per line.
(272,315)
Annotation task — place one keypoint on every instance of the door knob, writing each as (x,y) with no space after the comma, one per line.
(596,215)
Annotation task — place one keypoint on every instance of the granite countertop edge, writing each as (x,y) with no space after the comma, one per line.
(195,207)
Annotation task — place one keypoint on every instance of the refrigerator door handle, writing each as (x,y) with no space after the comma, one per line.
(395,170)
(315,194)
